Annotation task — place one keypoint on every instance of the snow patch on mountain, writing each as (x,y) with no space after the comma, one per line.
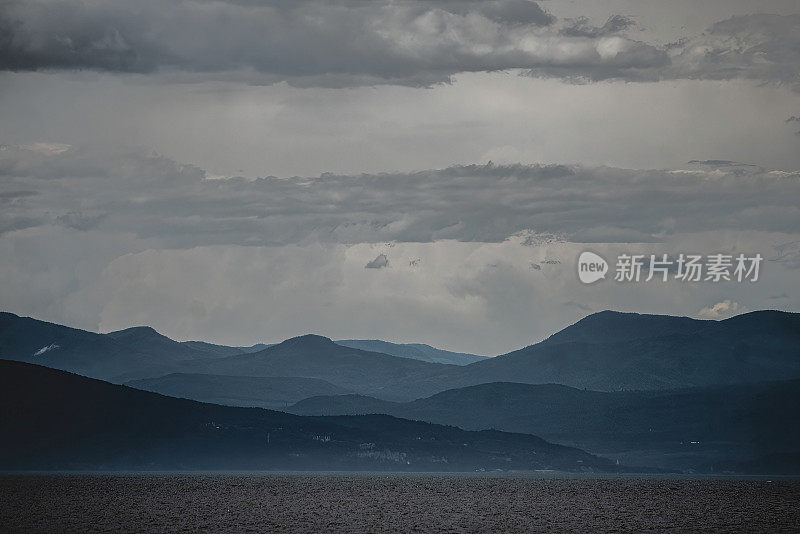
(46,348)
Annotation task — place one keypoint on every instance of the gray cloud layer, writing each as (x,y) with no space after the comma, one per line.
(153,197)
(109,240)
(350,42)
(581,27)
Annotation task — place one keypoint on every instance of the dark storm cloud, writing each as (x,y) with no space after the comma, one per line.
(10,196)
(721,163)
(581,27)
(345,43)
(12,222)
(349,42)
(379,262)
(308,42)
(156,198)
(511,12)
(80,221)
(794,118)
(760,47)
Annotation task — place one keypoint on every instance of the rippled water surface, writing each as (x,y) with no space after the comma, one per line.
(393,502)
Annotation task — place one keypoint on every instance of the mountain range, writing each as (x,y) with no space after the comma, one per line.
(141,352)
(613,351)
(606,351)
(260,391)
(312,356)
(646,390)
(696,429)
(52,419)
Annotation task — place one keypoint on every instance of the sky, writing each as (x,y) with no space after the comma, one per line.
(417,171)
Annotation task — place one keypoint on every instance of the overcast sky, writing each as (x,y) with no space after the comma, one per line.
(419,171)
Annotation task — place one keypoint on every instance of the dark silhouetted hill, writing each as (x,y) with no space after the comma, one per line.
(50,419)
(263,392)
(612,351)
(699,429)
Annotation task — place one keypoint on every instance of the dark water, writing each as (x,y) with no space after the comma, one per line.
(395,502)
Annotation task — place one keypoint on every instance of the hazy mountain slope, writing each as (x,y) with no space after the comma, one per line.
(212,350)
(262,392)
(311,356)
(612,351)
(141,352)
(132,352)
(607,351)
(615,327)
(222,350)
(416,351)
(56,420)
(689,428)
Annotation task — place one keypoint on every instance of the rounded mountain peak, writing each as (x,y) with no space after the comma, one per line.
(308,340)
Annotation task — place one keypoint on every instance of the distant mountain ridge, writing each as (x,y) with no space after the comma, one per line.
(141,352)
(52,419)
(613,351)
(131,351)
(222,350)
(605,351)
(699,429)
(416,351)
(650,380)
(275,393)
(313,356)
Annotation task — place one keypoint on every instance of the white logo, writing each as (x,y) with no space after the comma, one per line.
(591,267)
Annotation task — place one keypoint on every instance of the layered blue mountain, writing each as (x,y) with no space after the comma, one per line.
(705,429)
(612,351)
(645,389)
(607,351)
(222,350)
(261,391)
(312,356)
(415,351)
(52,419)
(134,351)
(141,353)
